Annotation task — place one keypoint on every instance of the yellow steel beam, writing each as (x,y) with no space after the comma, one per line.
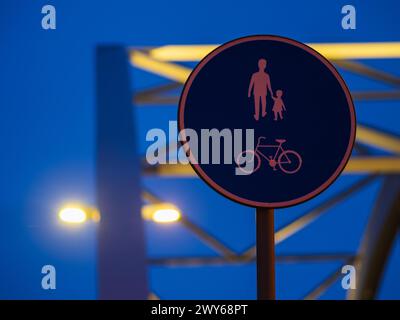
(177,170)
(166,69)
(373,164)
(378,139)
(363,50)
(368,71)
(150,198)
(181,52)
(355,165)
(157,60)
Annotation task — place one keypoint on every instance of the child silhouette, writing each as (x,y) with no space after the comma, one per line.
(279,106)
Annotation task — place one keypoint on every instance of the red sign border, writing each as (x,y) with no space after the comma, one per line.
(231,196)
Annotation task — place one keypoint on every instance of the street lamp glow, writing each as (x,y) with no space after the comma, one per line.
(161,213)
(73,215)
(76,213)
(166,216)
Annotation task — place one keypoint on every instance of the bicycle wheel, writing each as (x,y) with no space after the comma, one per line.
(253,157)
(289,161)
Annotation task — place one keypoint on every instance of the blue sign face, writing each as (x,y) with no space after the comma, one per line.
(267,121)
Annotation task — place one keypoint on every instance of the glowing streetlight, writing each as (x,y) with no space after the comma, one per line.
(77,214)
(161,212)
(72,215)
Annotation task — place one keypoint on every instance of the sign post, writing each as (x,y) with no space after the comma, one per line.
(267,122)
(265,245)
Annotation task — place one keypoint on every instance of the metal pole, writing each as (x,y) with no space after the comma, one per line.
(265,254)
(122,268)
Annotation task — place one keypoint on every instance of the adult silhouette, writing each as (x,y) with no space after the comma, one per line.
(260,83)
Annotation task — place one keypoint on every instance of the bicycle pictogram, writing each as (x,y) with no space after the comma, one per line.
(288,161)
